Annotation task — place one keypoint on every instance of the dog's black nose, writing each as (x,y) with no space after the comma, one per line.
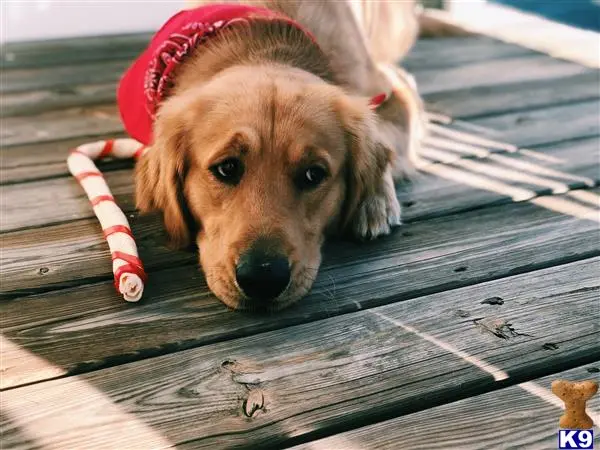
(262,276)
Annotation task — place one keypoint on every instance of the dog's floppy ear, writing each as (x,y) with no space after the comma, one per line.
(160,177)
(367,160)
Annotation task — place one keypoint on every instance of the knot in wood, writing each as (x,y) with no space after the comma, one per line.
(254,402)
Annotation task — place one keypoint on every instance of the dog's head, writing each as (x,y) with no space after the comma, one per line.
(257,166)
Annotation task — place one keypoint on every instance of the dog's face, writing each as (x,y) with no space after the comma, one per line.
(259,164)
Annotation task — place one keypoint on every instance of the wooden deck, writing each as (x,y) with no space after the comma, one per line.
(446,334)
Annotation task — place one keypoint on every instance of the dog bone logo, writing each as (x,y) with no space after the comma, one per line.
(575,395)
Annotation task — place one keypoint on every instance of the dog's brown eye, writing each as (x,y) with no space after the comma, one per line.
(229,171)
(310,178)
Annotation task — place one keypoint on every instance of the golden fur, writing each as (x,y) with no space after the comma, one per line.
(264,96)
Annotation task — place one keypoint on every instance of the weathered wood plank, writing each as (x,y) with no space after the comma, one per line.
(311,380)
(36,102)
(496,72)
(29,92)
(62,78)
(455,51)
(57,200)
(179,312)
(90,84)
(54,126)
(556,124)
(33,260)
(460,103)
(48,126)
(78,67)
(87,327)
(427,52)
(58,52)
(47,159)
(501,419)
(470,102)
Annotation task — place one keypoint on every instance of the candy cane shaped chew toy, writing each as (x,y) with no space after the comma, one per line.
(128,269)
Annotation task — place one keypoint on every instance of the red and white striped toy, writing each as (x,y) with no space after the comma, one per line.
(128,269)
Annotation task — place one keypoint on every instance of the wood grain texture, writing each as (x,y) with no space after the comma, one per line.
(390,328)
(57,88)
(461,184)
(451,52)
(546,125)
(513,417)
(326,376)
(35,102)
(61,79)
(54,126)
(179,312)
(81,66)
(469,102)
(74,87)
(506,71)
(51,88)
(34,261)
(46,88)
(57,200)
(91,123)
(45,160)
(58,52)
(85,82)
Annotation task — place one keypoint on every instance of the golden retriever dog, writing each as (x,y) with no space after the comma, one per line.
(268,143)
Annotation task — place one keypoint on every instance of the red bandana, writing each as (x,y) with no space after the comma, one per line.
(148,80)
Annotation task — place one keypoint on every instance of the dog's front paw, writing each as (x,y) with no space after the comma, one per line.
(379,213)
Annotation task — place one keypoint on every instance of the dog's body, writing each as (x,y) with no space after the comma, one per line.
(266,144)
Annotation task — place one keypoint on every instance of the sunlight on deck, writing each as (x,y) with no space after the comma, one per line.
(435,145)
(486,164)
(477,181)
(586,197)
(471,138)
(12,355)
(565,206)
(496,372)
(44,412)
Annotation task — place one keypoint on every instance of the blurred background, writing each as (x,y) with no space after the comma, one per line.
(578,13)
(24,20)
